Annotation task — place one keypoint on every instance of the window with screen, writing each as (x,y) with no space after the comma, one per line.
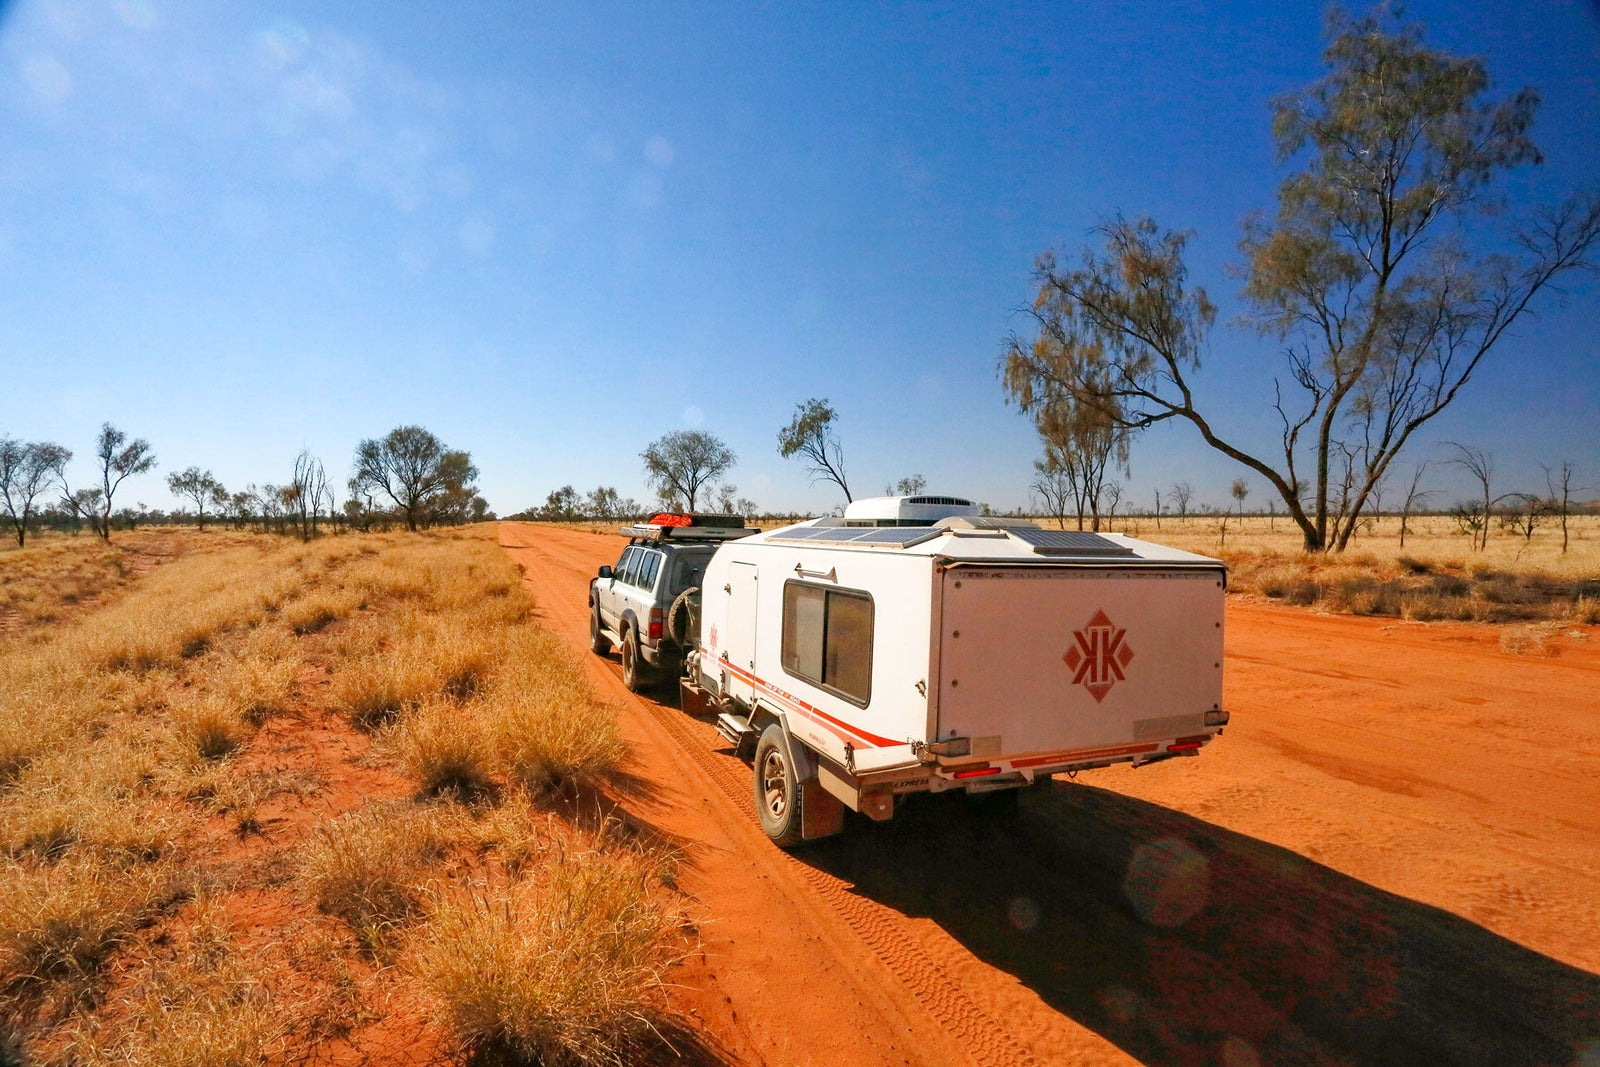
(827,639)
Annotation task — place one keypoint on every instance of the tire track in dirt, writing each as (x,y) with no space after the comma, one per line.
(894,940)
(883,930)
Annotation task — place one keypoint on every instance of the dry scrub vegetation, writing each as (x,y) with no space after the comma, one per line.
(1435,576)
(276,800)
(54,576)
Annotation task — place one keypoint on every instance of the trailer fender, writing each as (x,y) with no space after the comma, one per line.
(821,812)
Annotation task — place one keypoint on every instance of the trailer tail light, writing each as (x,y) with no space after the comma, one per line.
(1183,746)
(657,618)
(978,773)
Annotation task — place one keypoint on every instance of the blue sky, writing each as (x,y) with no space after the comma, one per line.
(552,232)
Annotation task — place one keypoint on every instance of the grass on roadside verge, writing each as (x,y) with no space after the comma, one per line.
(132,725)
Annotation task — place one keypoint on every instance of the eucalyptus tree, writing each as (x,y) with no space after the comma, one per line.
(810,435)
(678,464)
(28,469)
(119,459)
(202,489)
(1381,273)
(425,480)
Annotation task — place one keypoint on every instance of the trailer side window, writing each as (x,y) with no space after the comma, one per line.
(827,639)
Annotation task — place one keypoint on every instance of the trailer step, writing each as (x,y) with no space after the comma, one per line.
(739,733)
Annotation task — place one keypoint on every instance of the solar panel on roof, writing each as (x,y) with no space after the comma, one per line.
(839,533)
(898,536)
(1070,543)
(798,533)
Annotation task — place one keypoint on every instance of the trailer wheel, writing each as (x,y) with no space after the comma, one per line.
(635,675)
(777,792)
(599,644)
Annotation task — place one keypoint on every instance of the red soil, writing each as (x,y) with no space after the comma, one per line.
(1392,856)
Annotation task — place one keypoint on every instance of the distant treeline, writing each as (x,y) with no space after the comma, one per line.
(406,478)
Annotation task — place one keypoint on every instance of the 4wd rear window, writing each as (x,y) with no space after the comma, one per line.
(827,639)
(687,570)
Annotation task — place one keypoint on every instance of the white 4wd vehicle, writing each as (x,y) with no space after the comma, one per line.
(631,605)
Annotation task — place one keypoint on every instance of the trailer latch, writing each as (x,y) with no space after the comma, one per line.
(952,746)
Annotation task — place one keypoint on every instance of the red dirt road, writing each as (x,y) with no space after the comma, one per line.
(1391,857)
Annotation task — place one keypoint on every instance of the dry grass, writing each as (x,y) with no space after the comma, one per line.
(53,576)
(563,966)
(444,747)
(207,1007)
(255,677)
(61,921)
(369,867)
(128,726)
(547,727)
(102,798)
(1436,576)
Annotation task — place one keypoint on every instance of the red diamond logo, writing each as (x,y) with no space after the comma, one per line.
(1098,657)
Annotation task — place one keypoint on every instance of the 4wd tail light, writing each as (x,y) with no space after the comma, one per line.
(657,617)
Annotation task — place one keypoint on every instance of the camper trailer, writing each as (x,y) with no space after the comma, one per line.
(914,645)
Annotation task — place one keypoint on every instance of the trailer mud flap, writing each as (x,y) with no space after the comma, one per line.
(821,813)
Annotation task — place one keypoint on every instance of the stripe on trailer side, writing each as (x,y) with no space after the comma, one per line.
(838,727)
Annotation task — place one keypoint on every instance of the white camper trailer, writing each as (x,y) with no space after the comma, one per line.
(905,649)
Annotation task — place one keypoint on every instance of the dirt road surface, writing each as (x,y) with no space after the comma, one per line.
(1391,857)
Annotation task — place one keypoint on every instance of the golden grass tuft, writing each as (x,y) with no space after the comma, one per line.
(258,676)
(61,921)
(564,966)
(213,727)
(1529,639)
(101,799)
(417,656)
(368,868)
(548,729)
(206,1007)
(443,746)
(319,609)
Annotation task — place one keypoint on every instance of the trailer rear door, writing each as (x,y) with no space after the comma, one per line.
(1056,659)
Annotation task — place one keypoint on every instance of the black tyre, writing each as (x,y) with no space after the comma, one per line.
(678,618)
(636,674)
(599,643)
(777,791)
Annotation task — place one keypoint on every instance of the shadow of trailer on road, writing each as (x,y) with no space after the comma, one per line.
(1186,943)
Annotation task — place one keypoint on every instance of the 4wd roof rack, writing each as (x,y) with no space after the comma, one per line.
(670,526)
